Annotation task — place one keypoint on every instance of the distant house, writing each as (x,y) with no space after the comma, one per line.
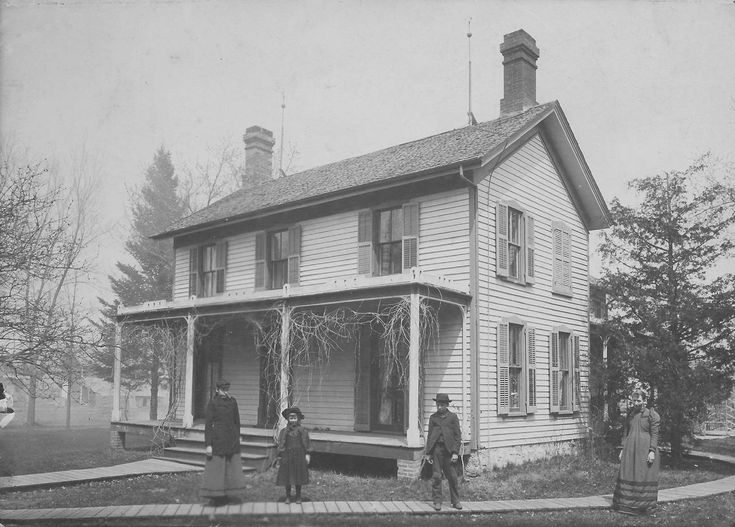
(357,290)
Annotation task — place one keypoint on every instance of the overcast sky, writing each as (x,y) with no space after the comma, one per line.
(646,86)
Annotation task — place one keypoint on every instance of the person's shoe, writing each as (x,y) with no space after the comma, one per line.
(437,506)
(457,506)
(288,500)
(298,500)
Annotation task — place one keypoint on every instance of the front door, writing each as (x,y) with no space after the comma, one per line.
(207,369)
(388,375)
(270,389)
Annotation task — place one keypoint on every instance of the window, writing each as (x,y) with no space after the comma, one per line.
(207,267)
(387,240)
(564,373)
(561,239)
(514,239)
(516,367)
(277,258)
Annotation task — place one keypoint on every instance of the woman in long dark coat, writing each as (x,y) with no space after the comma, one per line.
(294,452)
(223,477)
(636,491)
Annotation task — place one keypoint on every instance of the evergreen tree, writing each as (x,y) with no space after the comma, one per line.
(672,303)
(154,207)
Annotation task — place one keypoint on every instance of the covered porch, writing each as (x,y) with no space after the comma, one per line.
(362,358)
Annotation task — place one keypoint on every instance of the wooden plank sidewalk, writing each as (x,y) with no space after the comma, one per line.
(260,509)
(136,468)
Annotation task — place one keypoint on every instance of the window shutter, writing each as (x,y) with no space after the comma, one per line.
(294,254)
(562,258)
(530,251)
(410,235)
(501,239)
(261,267)
(193,271)
(220,263)
(531,366)
(554,371)
(566,253)
(576,388)
(503,368)
(365,243)
(362,383)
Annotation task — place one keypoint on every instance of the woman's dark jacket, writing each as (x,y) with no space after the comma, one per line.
(222,428)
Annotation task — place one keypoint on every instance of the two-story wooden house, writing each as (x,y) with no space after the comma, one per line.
(357,290)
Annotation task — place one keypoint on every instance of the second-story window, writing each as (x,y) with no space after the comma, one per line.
(277,258)
(515,253)
(387,241)
(207,269)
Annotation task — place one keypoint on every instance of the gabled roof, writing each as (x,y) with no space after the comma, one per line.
(463,146)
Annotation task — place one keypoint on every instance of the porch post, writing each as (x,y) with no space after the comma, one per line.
(116,373)
(188,419)
(285,360)
(413,434)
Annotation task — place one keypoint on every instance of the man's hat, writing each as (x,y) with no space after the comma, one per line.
(292,410)
(443,398)
(222,383)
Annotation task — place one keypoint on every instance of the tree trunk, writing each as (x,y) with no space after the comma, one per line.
(31,413)
(68,402)
(155,375)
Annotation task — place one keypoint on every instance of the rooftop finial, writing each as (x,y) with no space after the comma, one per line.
(470,117)
(280,147)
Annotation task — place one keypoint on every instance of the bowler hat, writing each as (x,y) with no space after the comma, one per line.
(222,383)
(443,398)
(292,410)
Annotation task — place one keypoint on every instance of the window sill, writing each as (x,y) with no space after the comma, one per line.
(514,414)
(567,294)
(564,413)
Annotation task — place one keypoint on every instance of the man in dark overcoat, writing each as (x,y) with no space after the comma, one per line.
(442,450)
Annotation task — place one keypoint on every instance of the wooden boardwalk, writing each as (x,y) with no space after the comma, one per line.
(260,509)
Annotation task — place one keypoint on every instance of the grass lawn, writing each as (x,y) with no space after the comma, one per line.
(557,477)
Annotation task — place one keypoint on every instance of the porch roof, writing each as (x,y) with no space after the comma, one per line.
(352,289)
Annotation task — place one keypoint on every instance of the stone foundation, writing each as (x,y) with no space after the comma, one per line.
(117,441)
(490,458)
(408,468)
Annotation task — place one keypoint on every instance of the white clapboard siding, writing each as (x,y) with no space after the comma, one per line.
(444,247)
(443,366)
(328,248)
(240,366)
(240,272)
(529,178)
(325,390)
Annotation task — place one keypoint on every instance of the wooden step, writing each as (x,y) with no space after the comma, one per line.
(245,468)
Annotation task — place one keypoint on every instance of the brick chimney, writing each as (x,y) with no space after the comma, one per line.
(519,72)
(258,156)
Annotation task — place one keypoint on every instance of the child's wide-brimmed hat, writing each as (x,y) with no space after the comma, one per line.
(443,398)
(292,410)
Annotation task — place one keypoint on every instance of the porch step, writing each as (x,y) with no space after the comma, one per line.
(199,463)
(255,454)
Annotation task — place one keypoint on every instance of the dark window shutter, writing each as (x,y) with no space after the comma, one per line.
(554,371)
(576,388)
(294,254)
(531,367)
(530,251)
(503,368)
(410,235)
(562,258)
(261,267)
(221,265)
(362,382)
(193,271)
(566,252)
(365,243)
(501,239)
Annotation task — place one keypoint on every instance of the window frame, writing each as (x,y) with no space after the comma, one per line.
(504,211)
(264,272)
(369,242)
(572,383)
(527,376)
(217,269)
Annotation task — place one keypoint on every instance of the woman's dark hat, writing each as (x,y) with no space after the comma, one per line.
(222,383)
(292,410)
(442,398)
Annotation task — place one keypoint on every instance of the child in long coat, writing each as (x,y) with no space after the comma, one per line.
(294,452)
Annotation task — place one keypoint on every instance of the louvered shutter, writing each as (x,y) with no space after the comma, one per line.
(531,367)
(576,388)
(530,251)
(193,271)
(365,243)
(566,252)
(220,263)
(503,368)
(410,235)
(294,254)
(501,239)
(556,279)
(554,371)
(261,264)
(362,383)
